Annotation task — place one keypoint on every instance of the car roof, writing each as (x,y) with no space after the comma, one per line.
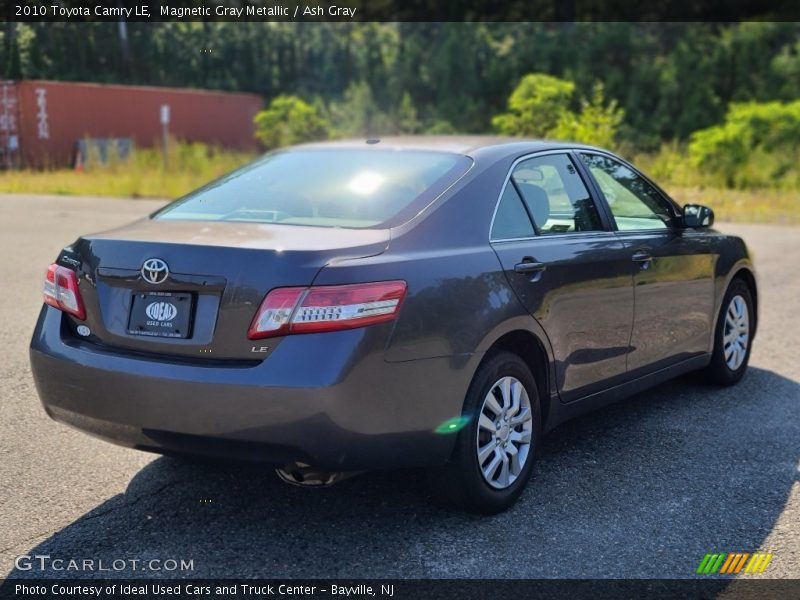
(468,145)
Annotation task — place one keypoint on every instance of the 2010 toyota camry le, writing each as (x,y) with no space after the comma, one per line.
(407,302)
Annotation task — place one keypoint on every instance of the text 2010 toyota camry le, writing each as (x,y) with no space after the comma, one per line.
(392,303)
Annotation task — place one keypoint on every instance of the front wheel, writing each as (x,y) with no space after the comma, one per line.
(733,336)
(495,451)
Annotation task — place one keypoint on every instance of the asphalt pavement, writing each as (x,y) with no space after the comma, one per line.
(644,488)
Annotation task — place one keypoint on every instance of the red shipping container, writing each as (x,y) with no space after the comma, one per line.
(52,116)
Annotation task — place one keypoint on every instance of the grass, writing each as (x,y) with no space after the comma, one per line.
(745,206)
(191,165)
(766,193)
(143,176)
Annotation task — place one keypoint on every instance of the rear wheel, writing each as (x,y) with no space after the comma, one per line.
(733,336)
(494,454)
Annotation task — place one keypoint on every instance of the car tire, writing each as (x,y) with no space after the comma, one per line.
(495,436)
(732,350)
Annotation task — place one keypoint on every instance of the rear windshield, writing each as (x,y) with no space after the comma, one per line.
(325,188)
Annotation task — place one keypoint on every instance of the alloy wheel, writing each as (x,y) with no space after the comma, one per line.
(505,431)
(737,333)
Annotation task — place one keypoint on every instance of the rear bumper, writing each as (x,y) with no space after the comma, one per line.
(329,400)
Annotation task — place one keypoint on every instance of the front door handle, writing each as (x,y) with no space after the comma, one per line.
(529,265)
(641,256)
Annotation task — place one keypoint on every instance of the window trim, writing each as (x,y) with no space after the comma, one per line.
(608,225)
(674,208)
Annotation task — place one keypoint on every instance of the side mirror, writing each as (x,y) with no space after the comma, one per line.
(697,215)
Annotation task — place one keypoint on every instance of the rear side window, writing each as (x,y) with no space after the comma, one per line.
(511,220)
(552,197)
(331,187)
(555,195)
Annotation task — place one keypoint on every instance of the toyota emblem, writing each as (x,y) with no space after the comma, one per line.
(155,270)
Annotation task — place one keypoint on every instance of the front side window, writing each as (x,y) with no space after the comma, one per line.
(554,195)
(334,187)
(635,204)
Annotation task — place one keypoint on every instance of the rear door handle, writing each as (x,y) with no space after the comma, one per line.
(641,256)
(529,265)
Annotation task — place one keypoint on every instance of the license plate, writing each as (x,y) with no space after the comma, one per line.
(161,314)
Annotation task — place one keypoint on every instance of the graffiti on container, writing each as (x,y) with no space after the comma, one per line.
(9,136)
(8,120)
(41,115)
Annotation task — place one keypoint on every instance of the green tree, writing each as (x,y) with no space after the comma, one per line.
(357,114)
(289,120)
(786,68)
(535,106)
(755,145)
(540,106)
(13,69)
(441,127)
(596,123)
(407,121)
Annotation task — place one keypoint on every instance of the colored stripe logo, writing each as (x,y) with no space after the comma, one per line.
(730,563)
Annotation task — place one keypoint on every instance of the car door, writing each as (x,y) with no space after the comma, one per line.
(568,268)
(672,267)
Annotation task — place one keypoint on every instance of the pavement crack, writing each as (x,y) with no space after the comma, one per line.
(128,504)
(26,540)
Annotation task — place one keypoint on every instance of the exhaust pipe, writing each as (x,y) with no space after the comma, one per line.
(303,475)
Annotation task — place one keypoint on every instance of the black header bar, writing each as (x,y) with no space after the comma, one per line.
(401,10)
(415,589)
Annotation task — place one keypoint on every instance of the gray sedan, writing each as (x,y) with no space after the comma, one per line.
(418,302)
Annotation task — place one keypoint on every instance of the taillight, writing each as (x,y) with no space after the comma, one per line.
(326,308)
(61,291)
(274,314)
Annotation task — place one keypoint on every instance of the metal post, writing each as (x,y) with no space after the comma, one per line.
(165,132)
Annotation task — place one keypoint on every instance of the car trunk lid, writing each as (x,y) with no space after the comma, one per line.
(216,275)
